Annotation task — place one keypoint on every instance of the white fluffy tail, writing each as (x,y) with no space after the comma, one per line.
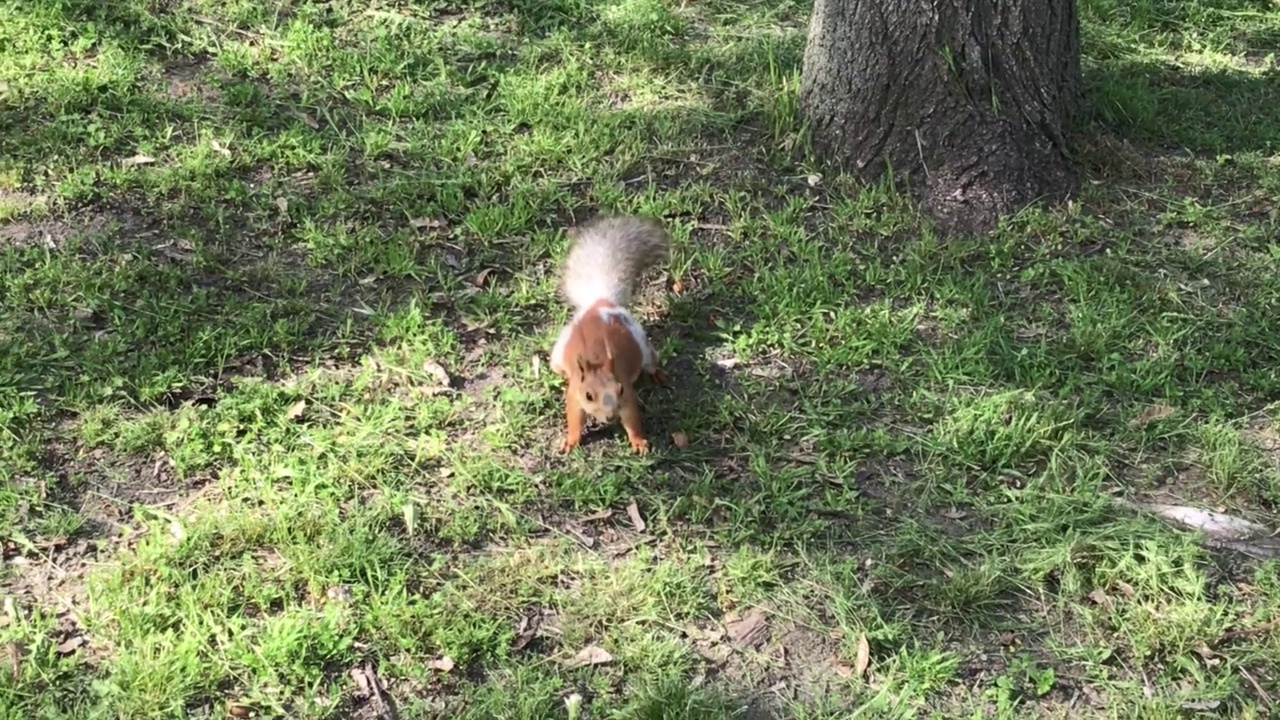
(608,257)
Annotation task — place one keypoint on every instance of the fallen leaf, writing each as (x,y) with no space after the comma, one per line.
(573,705)
(586,540)
(310,121)
(633,512)
(1220,525)
(364,684)
(443,664)
(469,160)
(14,651)
(863,659)
(844,669)
(219,147)
(680,439)
(709,635)
(138,159)
(602,515)
(677,287)
(235,709)
(1126,588)
(526,631)
(749,630)
(437,371)
(425,223)
(1204,651)
(70,645)
(1150,415)
(1201,705)
(295,410)
(954,514)
(590,655)
(1099,596)
(814,180)
(410,518)
(481,276)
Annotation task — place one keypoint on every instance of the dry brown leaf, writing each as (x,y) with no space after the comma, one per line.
(526,631)
(843,669)
(680,439)
(633,512)
(1150,415)
(239,710)
(677,287)
(863,659)
(437,371)
(426,223)
(138,159)
(1099,596)
(295,410)
(70,645)
(748,631)
(712,652)
(282,204)
(14,651)
(481,277)
(576,532)
(710,635)
(954,514)
(590,655)
(363,683)
(1126,588)
(443,664)
(602,515)
(310,121)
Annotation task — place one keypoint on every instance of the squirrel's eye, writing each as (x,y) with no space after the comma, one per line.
(591,397)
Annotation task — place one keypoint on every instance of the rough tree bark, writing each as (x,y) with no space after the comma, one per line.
(974,99)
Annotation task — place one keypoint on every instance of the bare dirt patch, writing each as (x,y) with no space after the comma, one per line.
(105,489)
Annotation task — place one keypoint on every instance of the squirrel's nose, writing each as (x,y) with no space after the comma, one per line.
(609,401)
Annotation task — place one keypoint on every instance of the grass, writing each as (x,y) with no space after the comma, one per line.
(238,241)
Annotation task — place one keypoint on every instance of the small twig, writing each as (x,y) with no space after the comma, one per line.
(1250,632)
(1262,695)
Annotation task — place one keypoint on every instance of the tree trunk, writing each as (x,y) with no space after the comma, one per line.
(975,98)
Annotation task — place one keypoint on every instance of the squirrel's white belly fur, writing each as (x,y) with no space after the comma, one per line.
(649,357)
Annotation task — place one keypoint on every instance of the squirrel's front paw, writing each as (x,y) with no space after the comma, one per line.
(567,444)
(659,376)
(640,445)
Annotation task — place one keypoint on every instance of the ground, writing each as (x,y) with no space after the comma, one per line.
(277,284)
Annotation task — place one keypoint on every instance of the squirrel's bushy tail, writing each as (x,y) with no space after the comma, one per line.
(608,256)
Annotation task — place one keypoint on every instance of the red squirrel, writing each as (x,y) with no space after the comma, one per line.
(602,350)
